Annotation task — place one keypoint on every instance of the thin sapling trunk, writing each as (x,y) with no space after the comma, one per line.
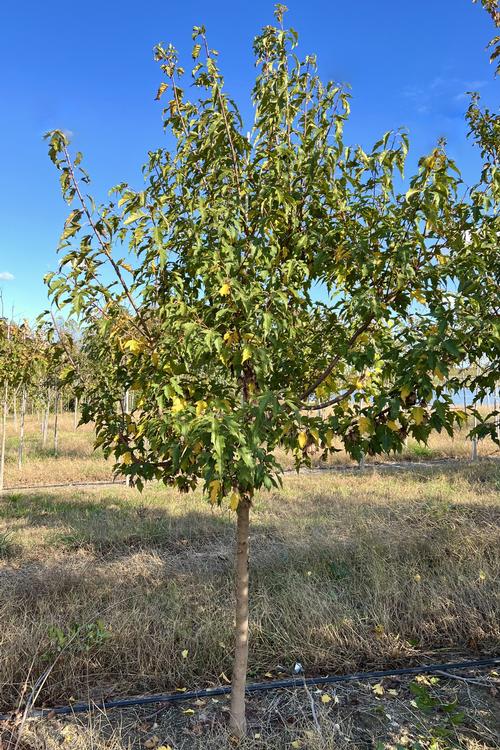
(21,430)
(4,432)
(238,683)
(56,422)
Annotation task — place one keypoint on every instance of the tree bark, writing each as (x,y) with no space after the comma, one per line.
(45,424)
(56,434)
(474,443)
(238,683)
(4,433)
(14,408)
(21,430)
(127,411)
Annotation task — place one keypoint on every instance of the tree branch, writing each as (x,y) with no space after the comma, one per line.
(105,248)
(361,329)
(330,402)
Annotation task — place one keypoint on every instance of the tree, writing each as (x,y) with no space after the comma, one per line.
(492,7)
(258,279)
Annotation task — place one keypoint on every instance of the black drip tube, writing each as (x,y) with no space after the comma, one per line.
(257,687)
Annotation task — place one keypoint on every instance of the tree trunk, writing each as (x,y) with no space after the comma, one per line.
(75,417)
(14,408)
(127,411)
(474,443)
(4,433)
(56,435)
(238,719)
(21,430)
(45,424)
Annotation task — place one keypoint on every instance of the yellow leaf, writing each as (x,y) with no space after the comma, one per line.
(296,744)
(234,501)
(392,692)
(155,359)
(438,374)
(379,629)
(268,674)
(225,290)
(201,407)
(461,415)
(214,490)
(365,425)
(302,439)
(178,404)
(314,432)
(482,575)
(378,689)
(185,653)
(247,354)
(133,346)
(329,438)
(224,677)
(419,296)
(393,425)
(405,392)
(127,458)
(188,711)
(418,413)
(325,698)
(417,577)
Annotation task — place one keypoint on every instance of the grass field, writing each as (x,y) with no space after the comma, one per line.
(107,589)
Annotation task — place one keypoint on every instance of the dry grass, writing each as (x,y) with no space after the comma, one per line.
(349,571)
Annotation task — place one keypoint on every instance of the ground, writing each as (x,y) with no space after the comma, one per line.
(106,592)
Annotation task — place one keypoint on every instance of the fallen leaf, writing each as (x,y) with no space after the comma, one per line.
(185,653)
(378,689)
(325,698)
(188,711)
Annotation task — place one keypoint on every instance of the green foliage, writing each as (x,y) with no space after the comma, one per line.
(261,277)
(491,7)
(78,638)
(7,545)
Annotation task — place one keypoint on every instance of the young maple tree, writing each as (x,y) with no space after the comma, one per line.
(259,278)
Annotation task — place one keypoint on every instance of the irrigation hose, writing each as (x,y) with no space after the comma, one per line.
(257,687)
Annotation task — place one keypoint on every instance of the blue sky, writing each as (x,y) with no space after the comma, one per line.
(87,68)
